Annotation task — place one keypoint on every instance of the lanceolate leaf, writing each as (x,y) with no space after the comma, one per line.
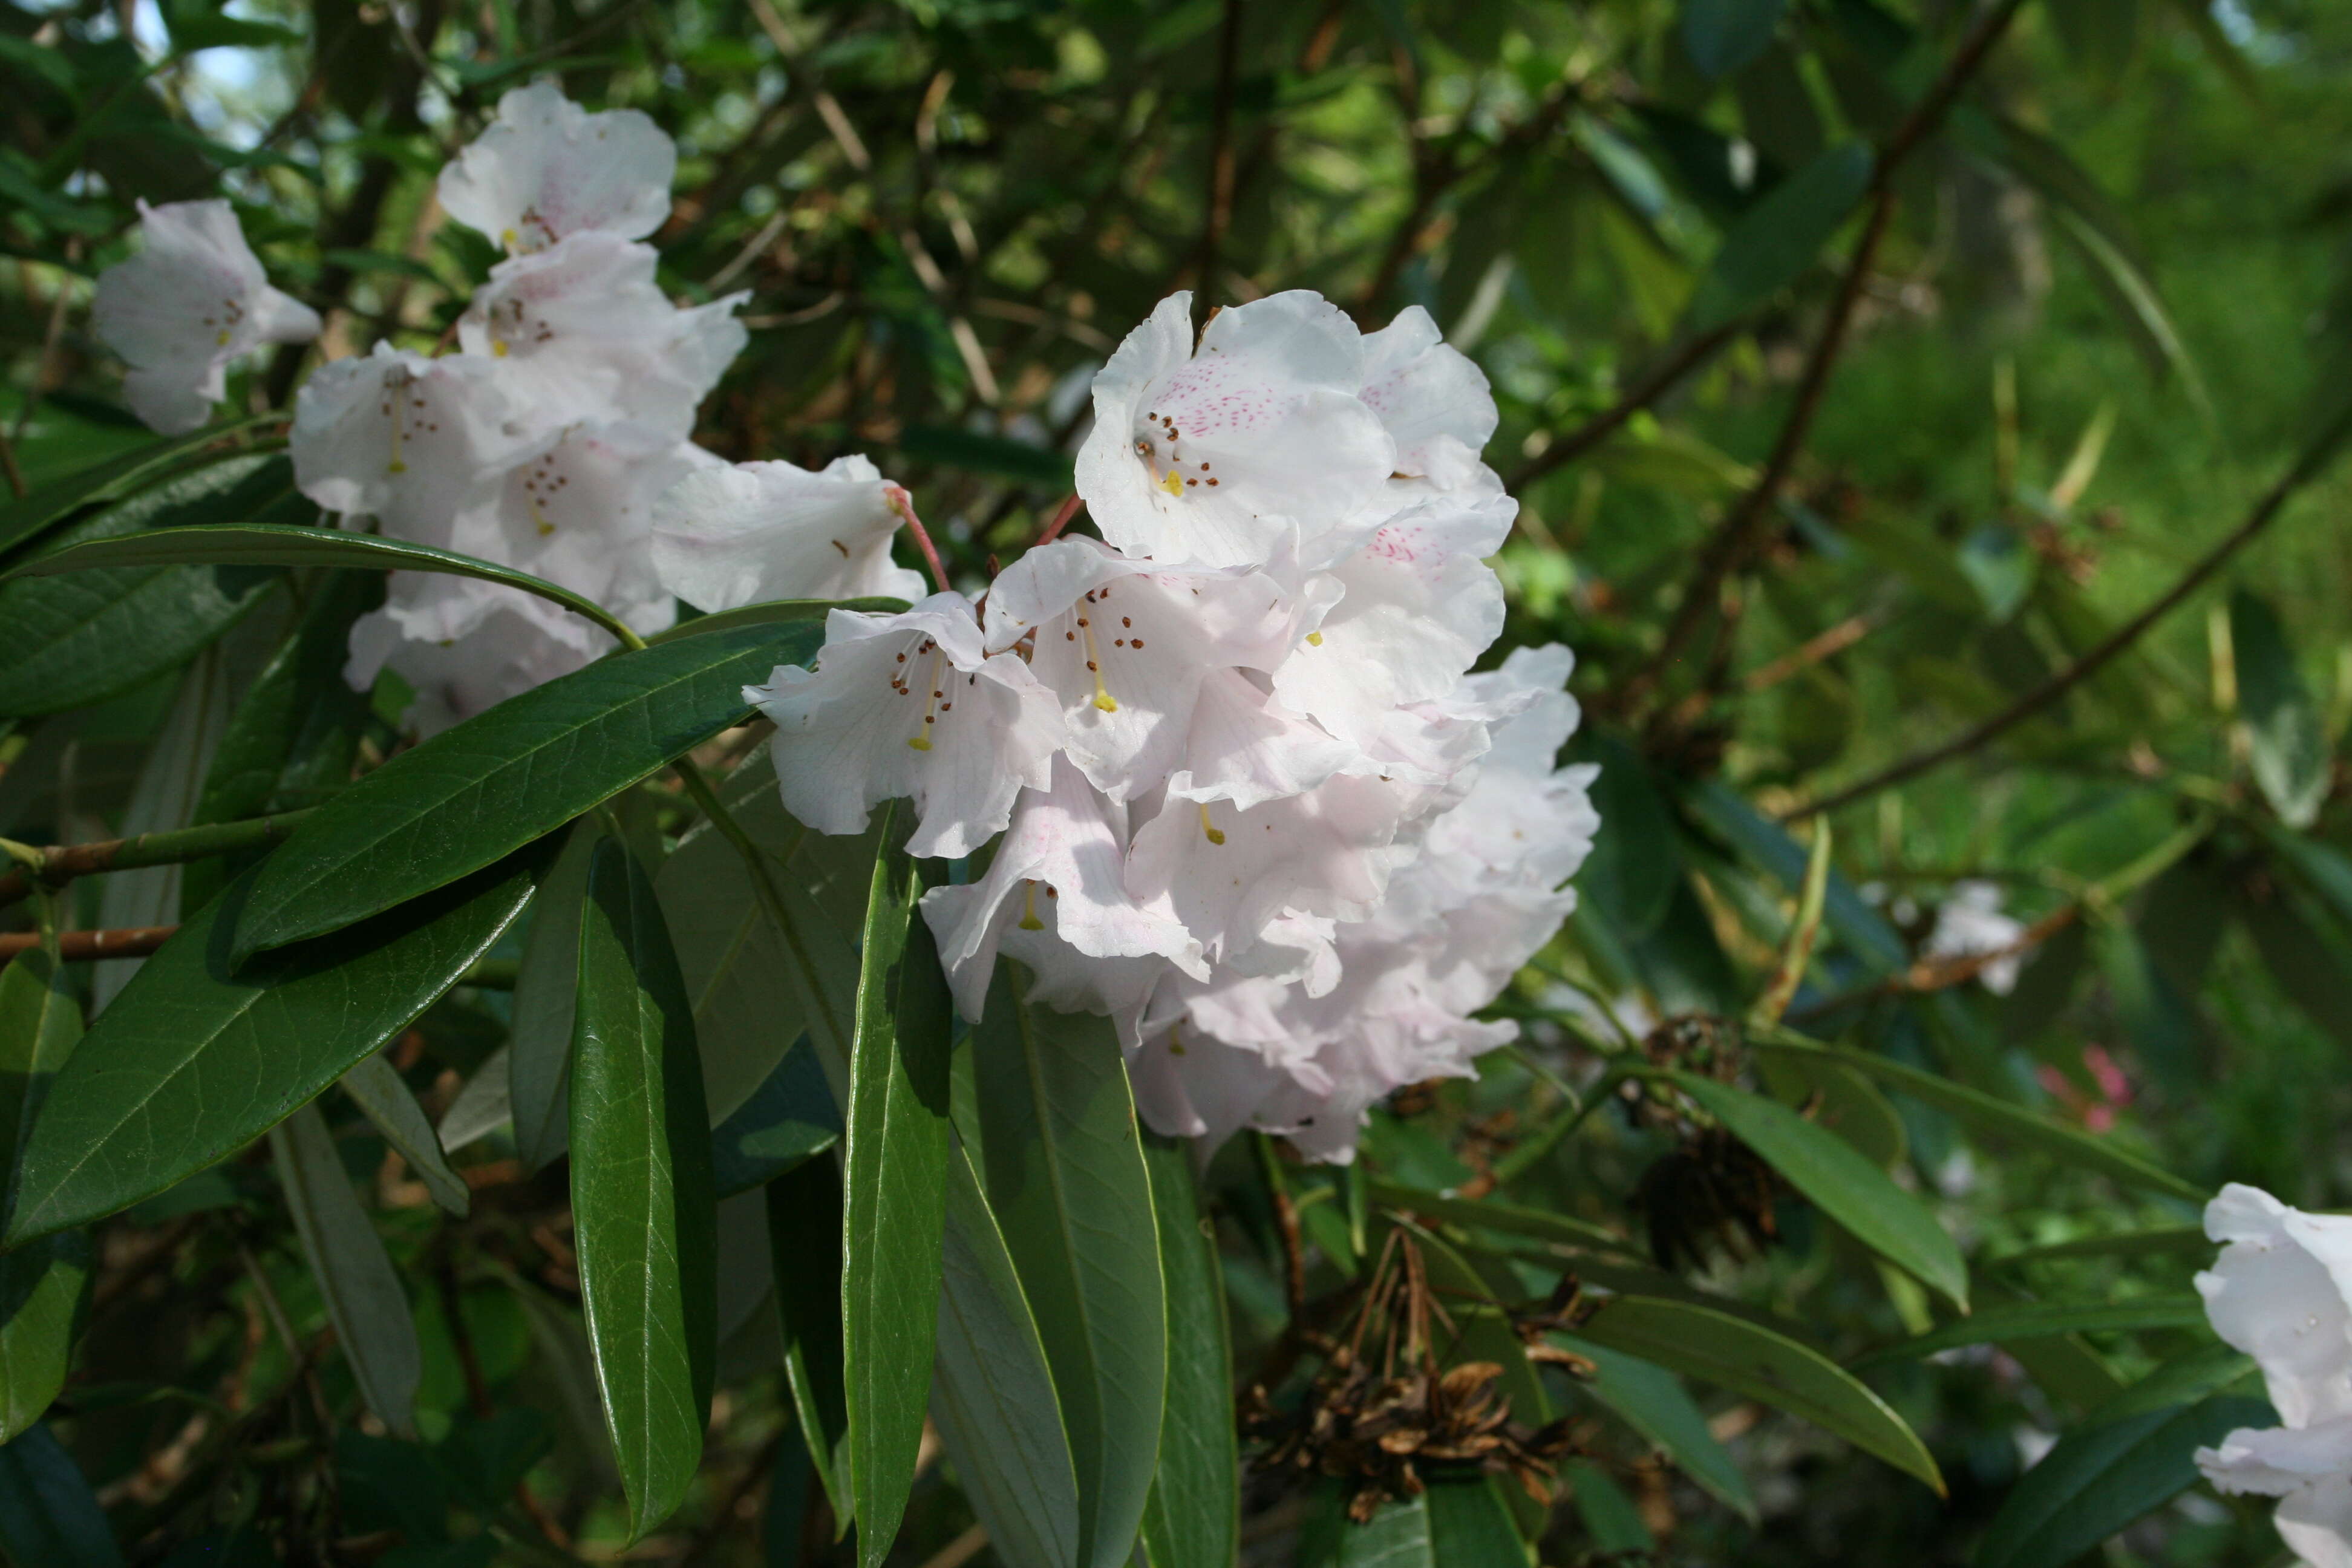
(790,1120)
(643,1214)
(1715,1347)
(375,1088)
(770,611)
(41,1284)
(1067,1180)
(993,1398)
(547,991)
(76,640)
(1841,1181)
(193,1061)
(2291,759)
(110,480)
(894,1154)
(47,1513)
(503,778)
(363,1296)
(1772,244)
(1654,1402)
(2039,1319)
(804,1239)
(1721,36)
(274,544)
(2103,1475)
(1193,1517)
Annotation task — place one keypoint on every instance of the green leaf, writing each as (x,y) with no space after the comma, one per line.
(1995,1118)
(1772,244)
(804,1237)
(48,1515)
(2100,1477)
(546,995)
(195,1061)
(1721,36)
(1609,1516)
(1470,1522)
(375,1087)
(994,1399)
(1453,1524)
(770,612)
(2133,296)
(1512,1220)
(955,448)
(2160,1241)
(355,1277)
(1861,928)
(42,1284)
(196,25)
(503,778)
(2040,1320)
(643,1219)
(894,1157)
(2185,1379)
(1193,1518)
(2323,868)
(77,640)
(788,1119)
(1653,1402)
(1066,1179)
(2290,763)
(273,544)
(109,478)
(1632,873)
(1748,1359)
(1841,1182)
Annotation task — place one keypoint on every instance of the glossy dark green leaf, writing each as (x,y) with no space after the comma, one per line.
(268,544)
(375,1087)
(788,1119)
(1066,1179)
(375,1325)
(2039,1319)
(895,1159)
(1193,1518)
(1999,1118)
(2290,761)
(1654,1402)
(643,1215)
(546,996)
(503,778)
(1634,867)
(773,612)
(1772,244)
(69,641)
(2160,1241)
(2102,1476)
(993,1397)
(1453,1522)
(1610,1519)
(804,1237)
(1841,1182)
(41,1284)
(195,1059)
(111,479)
(1749,1359)
(48,1515)
(1721,36)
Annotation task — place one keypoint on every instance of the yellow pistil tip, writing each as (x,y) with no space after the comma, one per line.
(395,467)
(545,528)
(1172,483)
(1314,639)
(223,340)
(1105,702)
(497,348)
(920,744)
(1029,920)
(1215,836)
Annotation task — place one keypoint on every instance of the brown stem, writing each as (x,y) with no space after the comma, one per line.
(1069,510)
(1221,154)
(135,942)
(61,863)
(1929,974)
(1688,357)
(2306,469)
(903,505)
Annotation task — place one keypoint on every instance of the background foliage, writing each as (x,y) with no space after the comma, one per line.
(1843,427)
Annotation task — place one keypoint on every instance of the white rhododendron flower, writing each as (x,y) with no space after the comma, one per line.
(910,705)
(192,301)
(464,645)
(1970,923)
(753,532)
(547,169)
(2281,1292)
(1260,815)
(1209,456)
(408,440)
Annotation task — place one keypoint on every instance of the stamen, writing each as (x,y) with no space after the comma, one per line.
(1029,920)
(399,401)
(1213,835)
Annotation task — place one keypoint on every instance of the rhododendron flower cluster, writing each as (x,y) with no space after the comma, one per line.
(1246,798)
(2282,1293)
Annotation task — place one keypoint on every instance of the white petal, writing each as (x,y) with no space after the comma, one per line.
(2276,1460)
(909,705)
(547,169)
(1423,391)
(465,646)
(2316,1523)
(409,440)
(193,299)
(754,532)
(2272,1297)
(1245,747)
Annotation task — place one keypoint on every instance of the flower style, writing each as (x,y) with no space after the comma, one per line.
(1128,646)
(194,298)
(2281,1292)
(1054,899)
(739,534)
(1210,455)
(547,169)
(910,705)
(408,440)
(588,335)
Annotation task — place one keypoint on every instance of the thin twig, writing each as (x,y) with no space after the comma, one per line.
(131,942)
(1221,155)
(903,505)
(61,863)
(2306,469)
(1942,975)
(1692,354)
(1069,509)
